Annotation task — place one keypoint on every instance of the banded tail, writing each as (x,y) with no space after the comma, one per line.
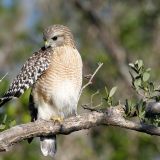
(48,145)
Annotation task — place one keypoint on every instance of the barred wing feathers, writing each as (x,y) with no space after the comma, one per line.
(30,72)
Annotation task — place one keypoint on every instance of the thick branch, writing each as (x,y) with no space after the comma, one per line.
(113,116)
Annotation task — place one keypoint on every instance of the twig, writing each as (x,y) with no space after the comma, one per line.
(85,106)
(100,104)
(87,76)
(92,96)
(3,77)
(93,108)
(90,80)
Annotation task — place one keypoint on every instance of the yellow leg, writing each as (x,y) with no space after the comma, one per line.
(57,119)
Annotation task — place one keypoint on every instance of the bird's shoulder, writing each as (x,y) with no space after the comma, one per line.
(31,70)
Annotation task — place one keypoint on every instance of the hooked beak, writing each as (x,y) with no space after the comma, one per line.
(46,44)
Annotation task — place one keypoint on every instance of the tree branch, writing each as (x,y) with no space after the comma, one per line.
(112,116)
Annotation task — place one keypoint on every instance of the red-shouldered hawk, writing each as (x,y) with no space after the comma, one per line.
(55,75)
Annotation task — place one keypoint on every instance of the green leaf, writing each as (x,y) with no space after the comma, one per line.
(112,91)
(107,93)
(136,63)
(2,126)
(137,83)
(146,76)
(140,64)
(5,118)
(12,123)
(131,65)
(148,69)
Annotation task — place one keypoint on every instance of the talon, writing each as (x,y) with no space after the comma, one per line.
(57,119)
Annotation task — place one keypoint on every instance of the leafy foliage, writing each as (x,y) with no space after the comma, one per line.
(147,91)
(6,123)
(109,95)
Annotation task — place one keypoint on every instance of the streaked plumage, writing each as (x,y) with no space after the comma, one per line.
(55,75)
(30,72)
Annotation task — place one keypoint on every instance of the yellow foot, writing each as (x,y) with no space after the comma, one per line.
(57,119)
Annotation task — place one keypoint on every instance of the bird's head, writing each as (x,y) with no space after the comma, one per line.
(58,35)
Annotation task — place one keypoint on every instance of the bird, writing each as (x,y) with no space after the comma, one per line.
(54,74)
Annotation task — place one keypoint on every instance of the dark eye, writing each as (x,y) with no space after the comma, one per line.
(54,38)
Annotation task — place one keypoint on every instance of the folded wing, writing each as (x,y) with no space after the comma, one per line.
(30,72)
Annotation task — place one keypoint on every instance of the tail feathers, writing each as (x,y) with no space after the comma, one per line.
(48,145)
(4,100)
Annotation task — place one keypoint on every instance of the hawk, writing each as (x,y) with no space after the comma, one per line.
(55,75)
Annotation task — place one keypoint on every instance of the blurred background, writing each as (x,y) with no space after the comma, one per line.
(114,32)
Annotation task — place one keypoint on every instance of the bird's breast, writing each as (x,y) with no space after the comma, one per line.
(60,85)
